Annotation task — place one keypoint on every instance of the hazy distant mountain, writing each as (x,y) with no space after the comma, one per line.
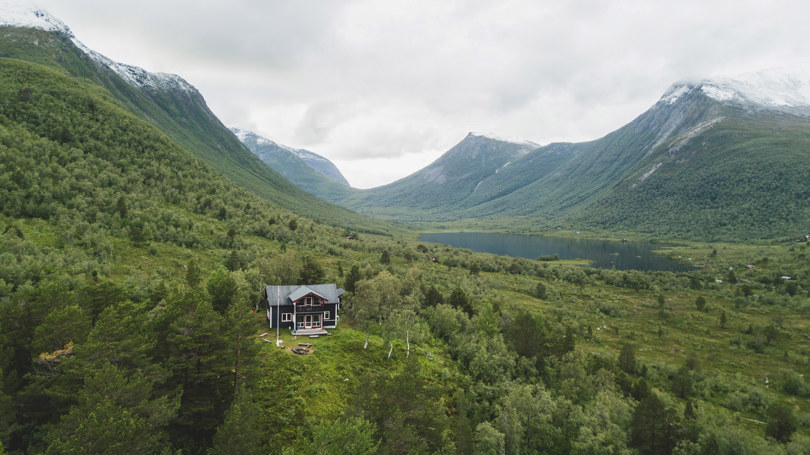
(309,171)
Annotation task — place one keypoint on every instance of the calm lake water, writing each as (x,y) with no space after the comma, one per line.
(604,253)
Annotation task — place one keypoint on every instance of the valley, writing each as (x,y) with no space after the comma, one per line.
(137,234)
(696,165)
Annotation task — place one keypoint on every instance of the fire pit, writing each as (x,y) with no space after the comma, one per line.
(300,351)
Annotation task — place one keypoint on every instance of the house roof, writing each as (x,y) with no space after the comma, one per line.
(286,295)
(304,291)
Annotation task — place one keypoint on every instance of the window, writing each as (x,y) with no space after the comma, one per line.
(286,317)
(308,301)
(326,315)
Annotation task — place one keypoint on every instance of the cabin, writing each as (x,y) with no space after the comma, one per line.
(303,309)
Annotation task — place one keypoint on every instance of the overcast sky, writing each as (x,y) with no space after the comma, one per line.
(383,88)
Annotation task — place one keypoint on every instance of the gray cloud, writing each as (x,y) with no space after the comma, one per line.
(363,81)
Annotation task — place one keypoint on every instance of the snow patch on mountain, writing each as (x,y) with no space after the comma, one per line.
(675,93)
(777,87)
(503,138)
(306,155)
(26,14)
(650,172)
(772,88)
(690,134)
(504,165)
(137,76)
(242,135)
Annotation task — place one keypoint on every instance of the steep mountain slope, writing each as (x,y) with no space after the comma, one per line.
(446,182)
(744,173)
(309,171)
(167,101)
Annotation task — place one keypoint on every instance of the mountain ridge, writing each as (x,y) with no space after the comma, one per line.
(261,147)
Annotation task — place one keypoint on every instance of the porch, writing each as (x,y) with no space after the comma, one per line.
(308,324)
(308,332)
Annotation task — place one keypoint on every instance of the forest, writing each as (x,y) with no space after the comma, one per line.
(131,314)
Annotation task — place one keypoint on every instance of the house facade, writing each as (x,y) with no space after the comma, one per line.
(309,309)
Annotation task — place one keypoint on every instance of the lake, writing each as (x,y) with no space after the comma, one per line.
(604,253)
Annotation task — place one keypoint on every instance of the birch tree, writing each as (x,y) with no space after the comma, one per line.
(375,299)
(405,323)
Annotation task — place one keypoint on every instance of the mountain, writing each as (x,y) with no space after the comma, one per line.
(740,169)
(722,157)
(274,154)
(309,171)
(447,182)
(167,101)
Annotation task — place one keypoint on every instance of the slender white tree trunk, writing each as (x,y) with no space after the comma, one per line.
(366,345)
(390,343)
(408,342)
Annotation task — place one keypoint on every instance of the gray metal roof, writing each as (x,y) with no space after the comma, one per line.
(330,293)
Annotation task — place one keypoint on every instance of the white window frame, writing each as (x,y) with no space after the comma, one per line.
(326,315)
(308,301)
(286,317)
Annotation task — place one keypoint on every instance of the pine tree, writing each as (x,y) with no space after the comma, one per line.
(193,273)
(458,299)
(385,258)
(782,422)
(243,430)
(653,428)
(352,278)
(627,359)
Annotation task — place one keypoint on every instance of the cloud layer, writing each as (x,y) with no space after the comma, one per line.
(383,88)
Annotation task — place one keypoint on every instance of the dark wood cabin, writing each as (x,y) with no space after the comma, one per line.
(304,310)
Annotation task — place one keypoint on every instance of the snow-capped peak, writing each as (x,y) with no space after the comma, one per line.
(245,136)
(503,138)
(137,76)
(776,87)
(27,14)
(779,87)
(676,91)
(241,134)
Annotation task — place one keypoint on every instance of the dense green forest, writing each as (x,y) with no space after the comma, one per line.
(130,271)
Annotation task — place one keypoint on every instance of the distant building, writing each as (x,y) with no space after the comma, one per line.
(304,310)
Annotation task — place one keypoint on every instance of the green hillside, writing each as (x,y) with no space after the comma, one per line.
(743,178)
(180,112)
(130,269)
